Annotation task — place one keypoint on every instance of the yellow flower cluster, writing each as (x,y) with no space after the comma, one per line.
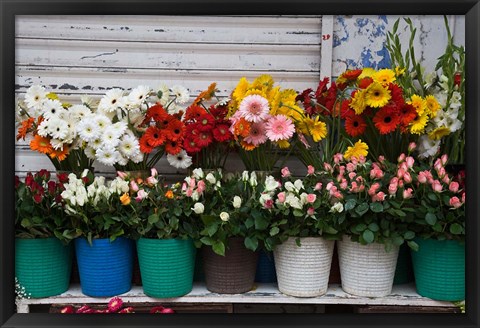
(426,109)
(359,149)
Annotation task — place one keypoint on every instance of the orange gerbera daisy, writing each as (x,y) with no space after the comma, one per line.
(60,154)
(355,125)
(145,147)
(386,120)
(173,147)
(26,126)
(247,146)
(154,136)
(241,128)
(41,145)
(207,94)
(174,130)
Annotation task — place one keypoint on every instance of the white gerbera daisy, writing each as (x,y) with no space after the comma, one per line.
(87,130)
(137,158)
(111,101)
(163,94)
(43,129)
(129,146)
(57,128)
(181,94)
(79,112)
(107,156)
(57,144)
(96,143)
(35,96)
(90,153)
(52,108)
(180,161)
(111,137)
(102,122)
(122,160)
(120,127)
(138,95)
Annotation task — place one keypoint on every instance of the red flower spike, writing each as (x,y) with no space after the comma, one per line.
(51,187)
(44,174)
(29,179)
(457,79)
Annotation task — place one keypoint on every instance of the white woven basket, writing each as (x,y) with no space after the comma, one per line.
(366,270)
(303,271)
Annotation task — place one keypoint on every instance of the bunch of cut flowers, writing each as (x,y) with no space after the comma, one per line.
(115,305)
(51,127)
(208,139)
(262,121)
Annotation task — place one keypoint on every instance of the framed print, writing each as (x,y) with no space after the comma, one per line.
(309,111)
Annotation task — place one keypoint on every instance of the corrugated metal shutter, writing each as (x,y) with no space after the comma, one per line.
(76,55)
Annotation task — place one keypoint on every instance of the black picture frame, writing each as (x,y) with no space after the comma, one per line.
(10,8)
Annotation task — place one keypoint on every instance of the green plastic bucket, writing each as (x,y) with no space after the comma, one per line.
(439,268)
(43,266)
(166,266)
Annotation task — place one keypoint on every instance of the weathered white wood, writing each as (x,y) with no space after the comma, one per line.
(327,47)
(263,293)
(188,29)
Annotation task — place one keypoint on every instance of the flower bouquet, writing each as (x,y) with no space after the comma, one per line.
(133,131)
(51,125)
(208,139)
(438,97)
(262,121)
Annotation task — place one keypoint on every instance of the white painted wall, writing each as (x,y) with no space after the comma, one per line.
(75,55)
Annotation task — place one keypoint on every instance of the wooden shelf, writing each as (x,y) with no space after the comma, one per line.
(402,295)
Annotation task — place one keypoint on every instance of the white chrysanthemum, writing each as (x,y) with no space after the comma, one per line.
(90,153)
(138,95)
(52,108)
(129,146)
(43,129)
(79,112)
(181,94)
(107,156)
(163,94)
(180,160)
(102,122)
(57,128)
(111,100)
(35,96)
(87,130)
(111,137)
(427,147)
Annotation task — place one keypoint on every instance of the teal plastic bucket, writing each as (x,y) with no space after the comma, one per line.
(43,266)
(166,266)
(439,268)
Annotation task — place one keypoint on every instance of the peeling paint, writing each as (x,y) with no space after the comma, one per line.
(67,86)
(102,54)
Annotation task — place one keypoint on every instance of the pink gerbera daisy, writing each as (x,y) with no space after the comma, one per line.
(279,127)
(257,134)
(254,108)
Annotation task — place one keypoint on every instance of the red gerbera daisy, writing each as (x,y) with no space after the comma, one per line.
(206,122)
(397,95)
(173,147)
(156,112)
(407,114)
(191,146)
(145,147)
(219,112)
(154,136)
(174,130)
(194,112)
(355,125)
(346,110)
(192,130)
(204,139)
(365,82)
(322,88)
(352,74)
(221,133)
(386,120)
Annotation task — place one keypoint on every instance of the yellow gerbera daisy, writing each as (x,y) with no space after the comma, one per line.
(432,105)
(359,149)
(240,90)
(419,104)
(439,133)
(384,76)
(283,144)
(313,127)
(358,102)
(263,81)
(376,95)
(417,126)
(367,72)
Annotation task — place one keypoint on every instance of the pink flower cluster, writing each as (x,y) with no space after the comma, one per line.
(115,305)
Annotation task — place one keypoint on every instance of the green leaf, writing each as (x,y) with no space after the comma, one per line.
(362,209)
(26,223)
(409,235)
(431,218)
(207,241)
(413,245)
(456,229)
(373,227)
(219,248)
(432,196)
(261,223)
(274,231)
(154,218)
(249,223)
(360,227)
(349,204)
(251,243)
(212,229)
(398,240)
(297,213)
(376,207)
(208,219)
(368,236)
